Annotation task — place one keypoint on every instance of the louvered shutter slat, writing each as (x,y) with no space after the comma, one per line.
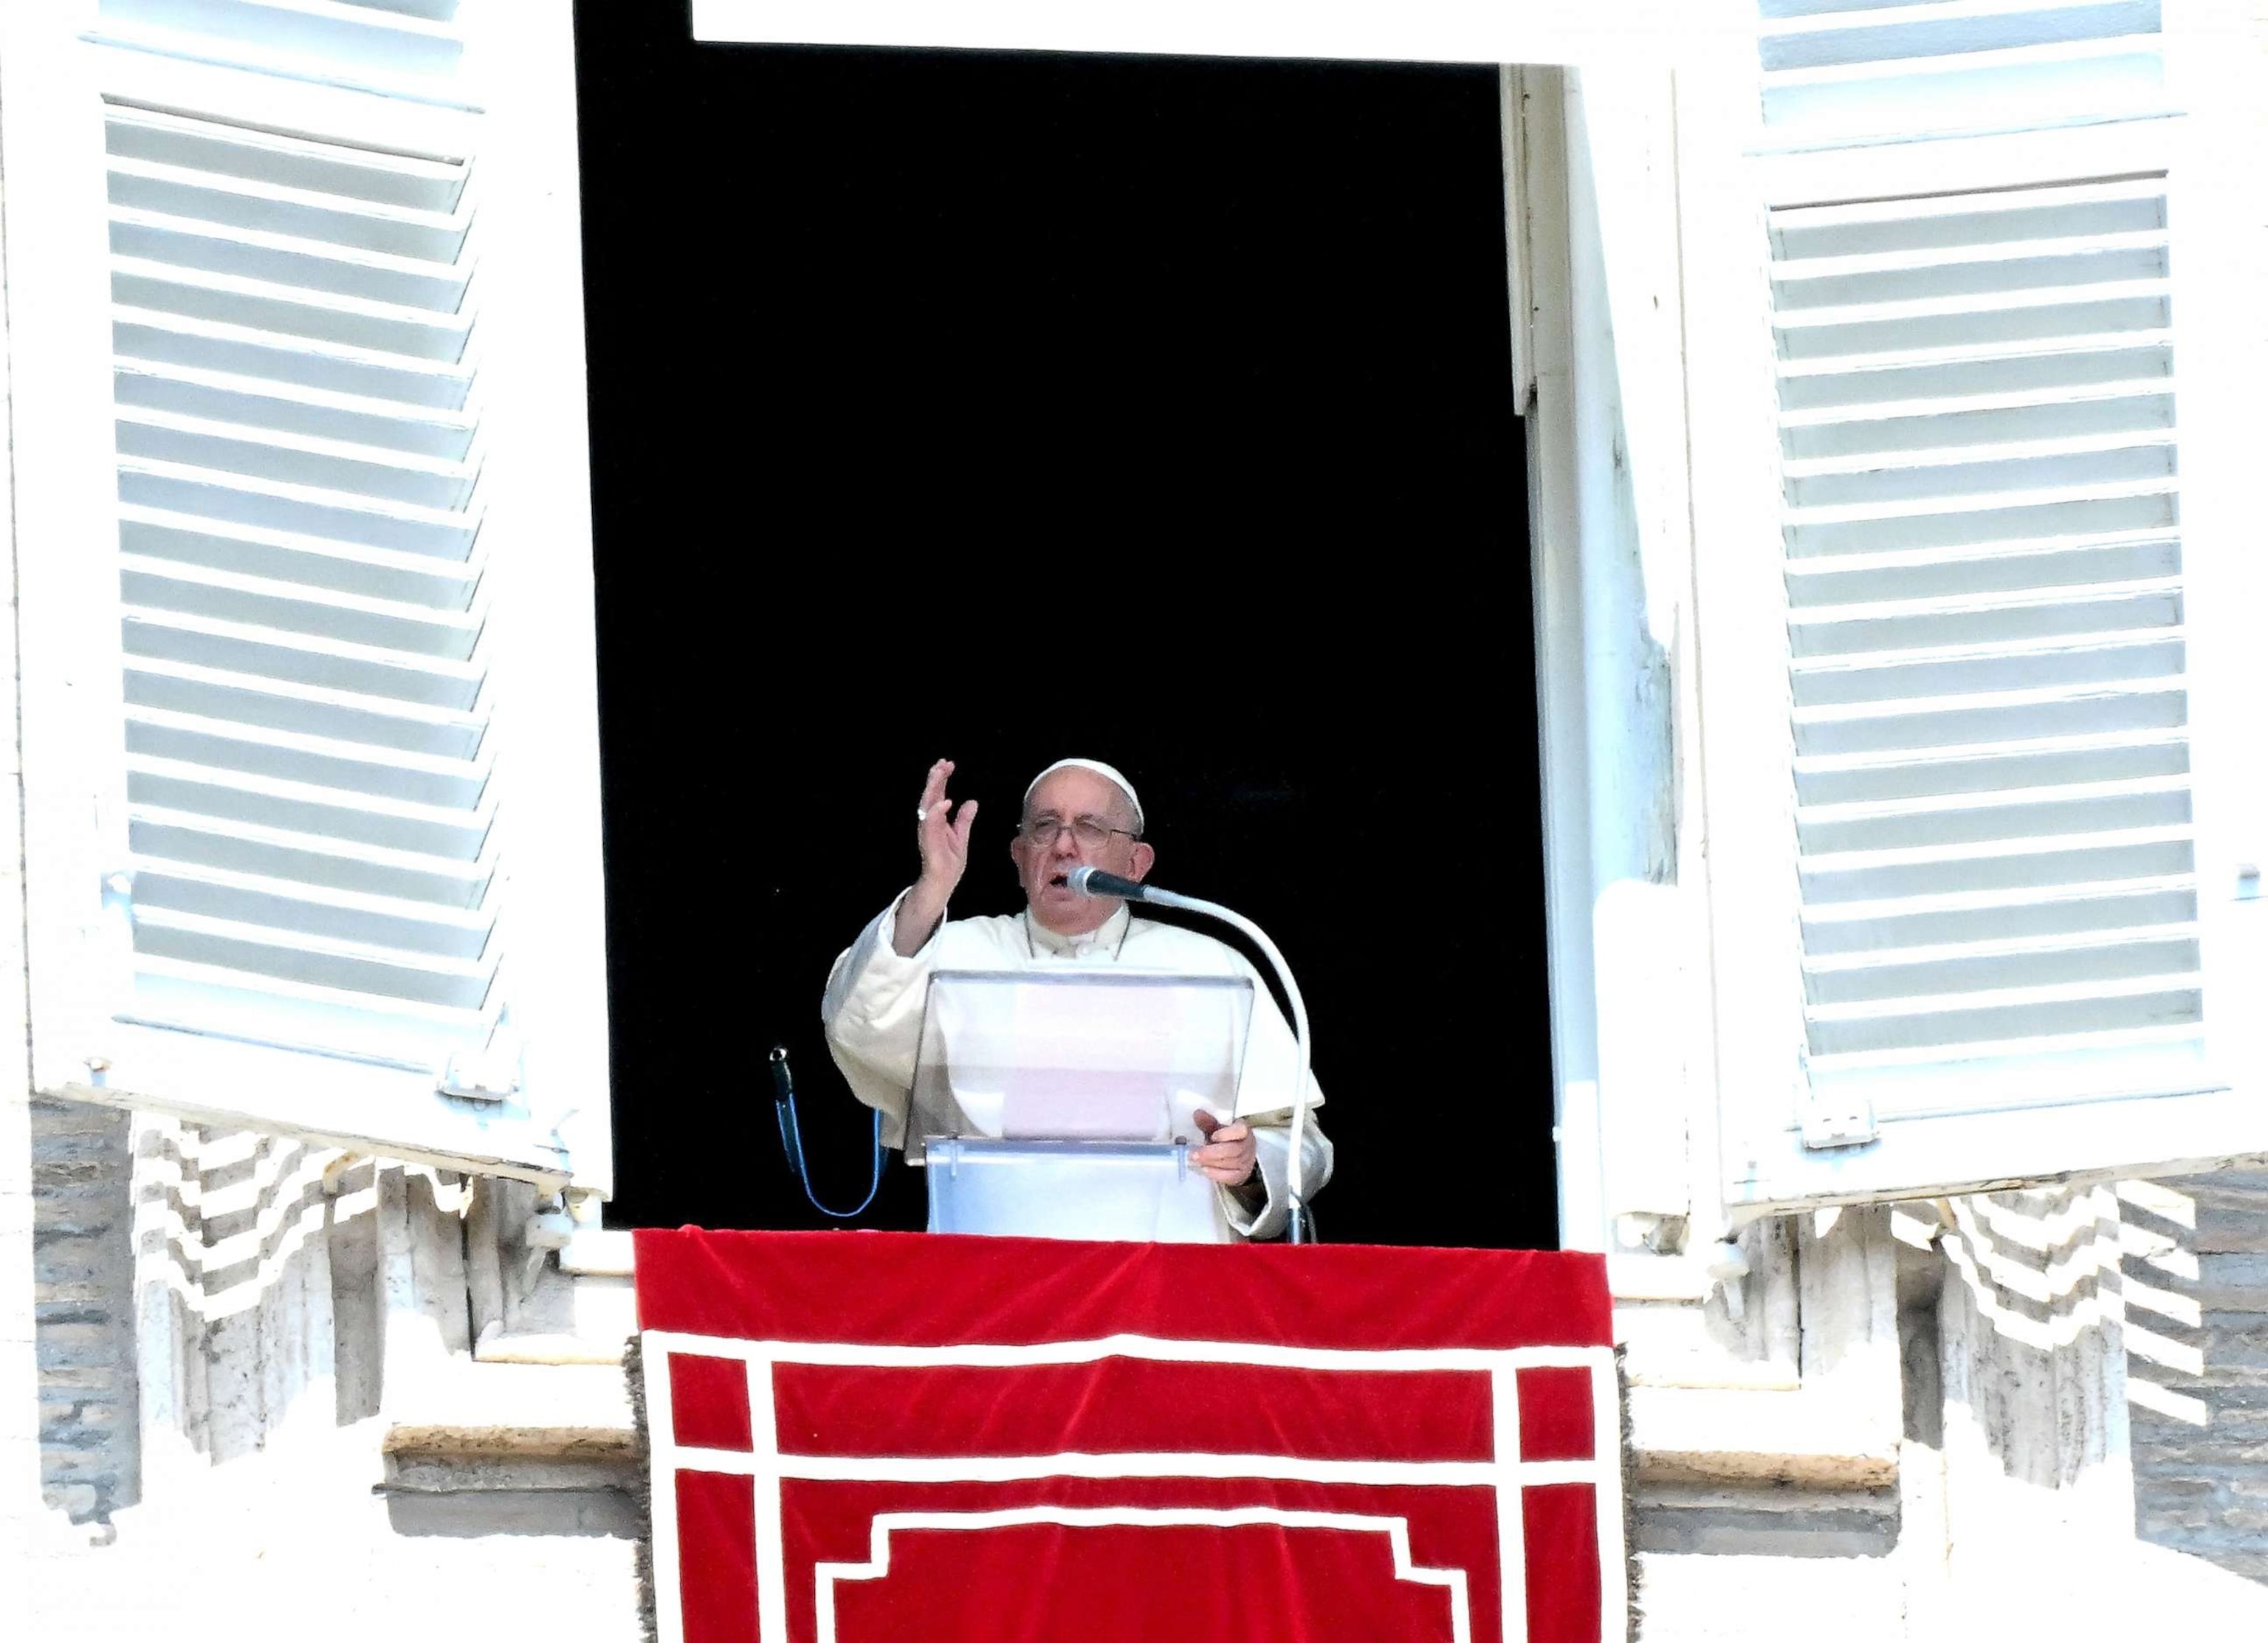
(268,601)
(432,10)
(1888,975)
(273,260)
(1923,921)
(266,948)
(302,560)
(1921,376)
(308,463)
(2039,619)
(310,859)
(230,1003)
(338,178)
(347,420)
(283,32)
(1795,36)
(235,1000)
(306,761)
(1988,768)
(1959,673)
(2115,406)
(157,785)
(2080,560)
(1924,872)
(149,338)
(290,218)
(287,905)
(2112,806)
(1971,324)
(277,305)
(1900,725)
(1833,71)
(305,509)
(332,715)
(362,670)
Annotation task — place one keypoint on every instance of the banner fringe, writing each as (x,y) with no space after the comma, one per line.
(642,1491)
(1632,1579)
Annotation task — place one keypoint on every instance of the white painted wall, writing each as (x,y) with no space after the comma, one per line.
(26,1530)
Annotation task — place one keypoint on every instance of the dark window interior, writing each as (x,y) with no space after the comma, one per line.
(1007,407)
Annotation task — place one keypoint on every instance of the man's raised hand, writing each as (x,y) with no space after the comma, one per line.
(943,834)
(944,830)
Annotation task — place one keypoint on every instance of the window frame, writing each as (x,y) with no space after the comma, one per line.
(1491,31)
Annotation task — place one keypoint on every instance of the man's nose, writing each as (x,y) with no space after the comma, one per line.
(1066,843)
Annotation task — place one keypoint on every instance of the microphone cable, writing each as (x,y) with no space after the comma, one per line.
(792,1140)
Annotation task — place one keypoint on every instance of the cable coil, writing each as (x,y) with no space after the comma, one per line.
(792,1140)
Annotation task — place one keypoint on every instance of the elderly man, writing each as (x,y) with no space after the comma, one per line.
(1077,813)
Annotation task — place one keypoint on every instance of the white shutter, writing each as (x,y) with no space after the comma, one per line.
(1985,599)
(286,906)
(1839,71)
(1992,341)
(309,809)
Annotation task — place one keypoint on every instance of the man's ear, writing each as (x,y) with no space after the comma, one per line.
(1142,859)
(1016,848)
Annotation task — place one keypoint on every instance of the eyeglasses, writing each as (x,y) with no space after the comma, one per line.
(1091,831)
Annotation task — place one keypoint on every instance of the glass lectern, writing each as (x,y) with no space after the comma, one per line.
(1063,1103)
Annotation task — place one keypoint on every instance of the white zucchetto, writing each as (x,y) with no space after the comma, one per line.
(1099,769)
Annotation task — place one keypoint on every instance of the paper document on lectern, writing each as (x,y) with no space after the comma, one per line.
(1120,1056)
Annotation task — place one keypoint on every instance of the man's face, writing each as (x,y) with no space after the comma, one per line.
(1077,801)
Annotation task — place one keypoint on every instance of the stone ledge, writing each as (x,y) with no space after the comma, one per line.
(567,1445)
(513,1427)
(591,1252)
(515,1430)
(551,1348)
(1804,1439)
(1767,1520)
(518,1460)
(547,1512)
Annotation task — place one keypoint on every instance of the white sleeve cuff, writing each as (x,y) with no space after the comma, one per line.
(1273,1146)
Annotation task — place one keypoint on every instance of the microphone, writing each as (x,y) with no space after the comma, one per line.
(1094,881)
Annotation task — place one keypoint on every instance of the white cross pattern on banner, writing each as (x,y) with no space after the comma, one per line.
(784,1578)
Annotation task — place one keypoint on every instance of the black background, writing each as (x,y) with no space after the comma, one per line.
(1007,407)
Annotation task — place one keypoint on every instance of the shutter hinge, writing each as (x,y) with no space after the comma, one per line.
(494,1073)
(1844,1119)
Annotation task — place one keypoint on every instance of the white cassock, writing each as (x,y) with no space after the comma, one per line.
(876,1000)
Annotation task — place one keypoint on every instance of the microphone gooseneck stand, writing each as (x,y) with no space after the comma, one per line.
(1094,881)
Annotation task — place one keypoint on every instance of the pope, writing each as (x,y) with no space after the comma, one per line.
(1077,813)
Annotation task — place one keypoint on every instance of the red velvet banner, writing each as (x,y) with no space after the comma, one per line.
(862,1436)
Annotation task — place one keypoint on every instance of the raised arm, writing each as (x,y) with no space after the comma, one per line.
(873,1006)
(942,832)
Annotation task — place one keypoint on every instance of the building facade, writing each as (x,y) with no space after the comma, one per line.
(1885,376)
